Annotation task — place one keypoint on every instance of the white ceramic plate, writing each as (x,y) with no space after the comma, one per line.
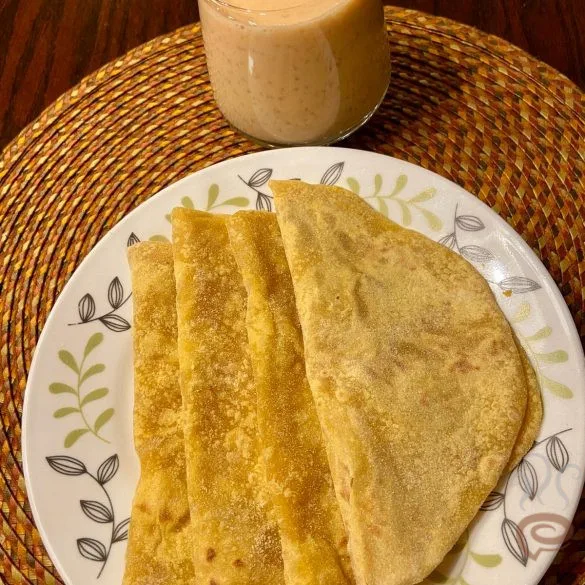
(80,464)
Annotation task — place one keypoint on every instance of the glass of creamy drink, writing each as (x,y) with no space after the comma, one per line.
(291,72)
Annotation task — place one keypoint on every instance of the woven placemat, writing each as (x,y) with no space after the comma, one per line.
(466,105)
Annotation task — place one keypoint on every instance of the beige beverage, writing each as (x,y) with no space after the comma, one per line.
(296,71)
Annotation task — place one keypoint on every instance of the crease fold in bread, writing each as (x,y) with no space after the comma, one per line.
(314,542)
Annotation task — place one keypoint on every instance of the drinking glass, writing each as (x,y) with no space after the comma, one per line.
(296,72)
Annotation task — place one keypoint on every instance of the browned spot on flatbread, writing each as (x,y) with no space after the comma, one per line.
(463,366)
(210,554)
(238,563)
(496,347)
(183,521)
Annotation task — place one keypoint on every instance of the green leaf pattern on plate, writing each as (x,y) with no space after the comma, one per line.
(555,387)
(82,375)
(354,185)
(94,395)
(487,561)
(61,412)
(538,358)
(451,570)
(59,388)
(103,418)
(68,360)
(406,205)
(188,203)
(73,437)
(212,196)
(158,238)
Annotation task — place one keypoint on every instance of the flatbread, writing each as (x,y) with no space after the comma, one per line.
(160,539)
(416,378)
(314,541)
(235,541)
(532,417)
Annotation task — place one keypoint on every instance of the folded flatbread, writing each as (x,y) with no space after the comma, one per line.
(234,540)
(417,381)
(159,543)
(314,542)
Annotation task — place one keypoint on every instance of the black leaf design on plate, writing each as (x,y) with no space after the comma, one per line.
(132,239)
(528,478)
(86,308)
(259,178)
(515,540)
(332,174)
(96,511)
(519,284)
(108,469)
(102,513)
(121,531)
(92,549)
(492,502)
(448,241)
(66,465)
(469,223)
(115,323)
(557,453)
(115,293)
(476,253)
(512,534)
(263,202)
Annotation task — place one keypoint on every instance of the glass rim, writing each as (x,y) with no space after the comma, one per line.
(230,5)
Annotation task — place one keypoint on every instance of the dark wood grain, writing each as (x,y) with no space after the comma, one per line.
(551,30)
(47,46)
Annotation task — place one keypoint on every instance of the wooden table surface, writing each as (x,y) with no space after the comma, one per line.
(47,46)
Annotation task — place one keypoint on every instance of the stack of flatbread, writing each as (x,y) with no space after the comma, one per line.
(322,397)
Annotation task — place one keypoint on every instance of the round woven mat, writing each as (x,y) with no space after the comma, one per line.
(466,105)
